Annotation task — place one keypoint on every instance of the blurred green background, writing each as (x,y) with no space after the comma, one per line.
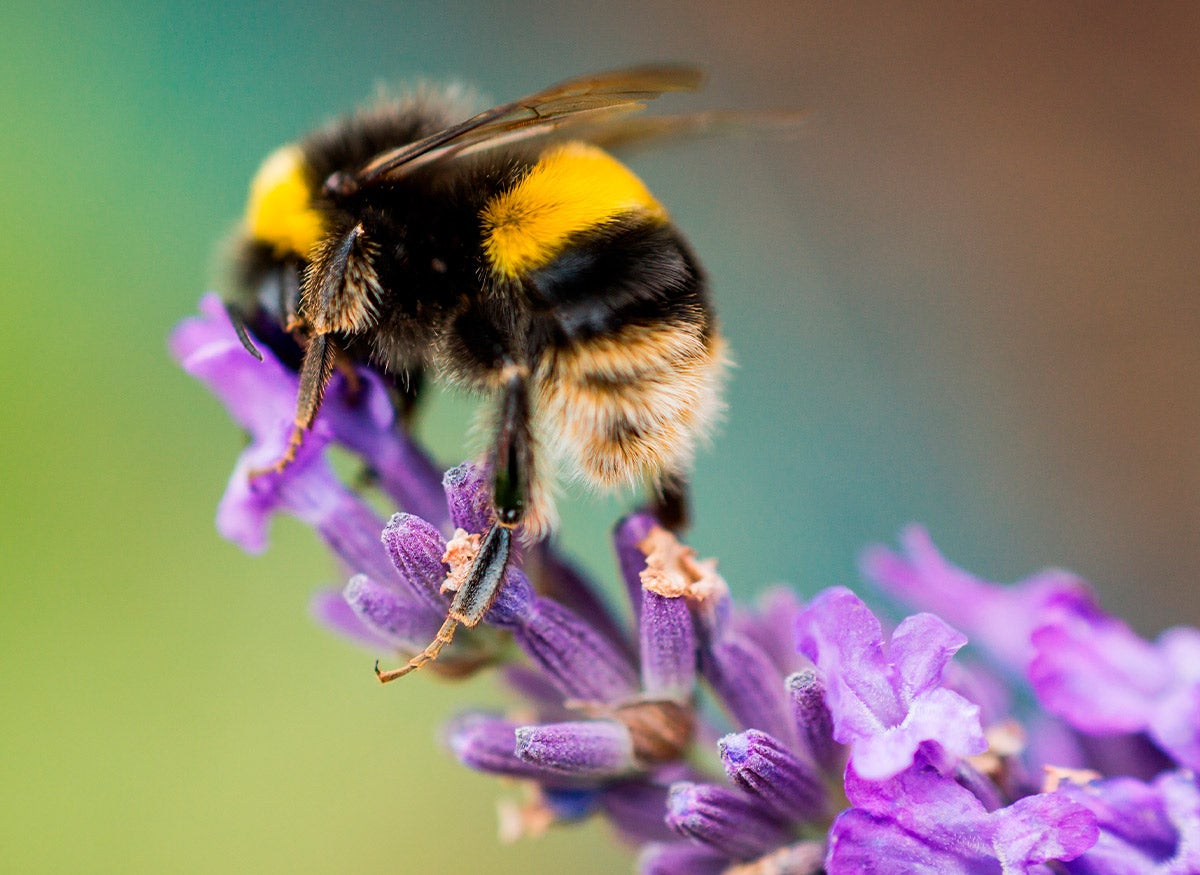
(965,294)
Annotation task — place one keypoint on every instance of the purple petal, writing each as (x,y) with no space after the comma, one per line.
(515,602)
(629,533)
(1048,826)
(257,394)
(939,715)
(365,424)
(845,641)
(861,842)
(762,767)
(469,498)
(350,529)
(723,820)
(585,748)
(532,685)
(637,809)
(886,710)
(923,821)
(307,489)
(562,581)
(488,744)
(921,647)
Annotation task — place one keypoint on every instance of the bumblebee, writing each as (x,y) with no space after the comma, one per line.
(509,254)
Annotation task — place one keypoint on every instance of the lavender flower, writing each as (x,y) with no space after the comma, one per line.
(784,738)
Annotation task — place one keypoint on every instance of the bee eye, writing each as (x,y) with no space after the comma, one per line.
(339,183)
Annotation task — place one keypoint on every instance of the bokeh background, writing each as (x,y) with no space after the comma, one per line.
(965,294)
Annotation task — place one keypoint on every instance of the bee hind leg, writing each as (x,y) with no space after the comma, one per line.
(511,469)
(671,504)
(470,603)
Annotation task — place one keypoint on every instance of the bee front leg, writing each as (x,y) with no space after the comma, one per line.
(315,373)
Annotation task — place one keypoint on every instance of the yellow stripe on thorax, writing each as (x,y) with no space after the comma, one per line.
(280,213)
(572,188)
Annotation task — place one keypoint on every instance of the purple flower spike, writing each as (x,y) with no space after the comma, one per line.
(886,701)
(668,644)
(636,808)
(680,858)
(403,623)
(749,685)
(1094,672)
(416,548)
(488,744)
(630,532)
(468,495)
(998,619)
(921,821)
(586,748)
(1144,828)
(724,820)
(328,607)
(813,720)
(765,769)
(580,661)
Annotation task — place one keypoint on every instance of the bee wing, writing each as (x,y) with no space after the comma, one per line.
(588,99)
(624,134)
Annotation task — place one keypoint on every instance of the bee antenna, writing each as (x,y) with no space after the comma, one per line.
(238,318)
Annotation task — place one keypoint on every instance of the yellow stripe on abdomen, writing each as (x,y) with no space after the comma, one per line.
(572,188)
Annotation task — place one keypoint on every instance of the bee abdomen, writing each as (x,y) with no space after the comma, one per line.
(632,407)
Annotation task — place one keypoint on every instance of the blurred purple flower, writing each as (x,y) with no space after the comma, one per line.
(1144,828)
(1095,673)
(998,620)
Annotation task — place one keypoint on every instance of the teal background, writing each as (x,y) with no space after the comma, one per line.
(965,293)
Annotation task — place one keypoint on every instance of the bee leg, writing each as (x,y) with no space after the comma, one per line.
(289,295)
(512,465)
(672,504)
(408,389)
(471,601)
(315,372)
